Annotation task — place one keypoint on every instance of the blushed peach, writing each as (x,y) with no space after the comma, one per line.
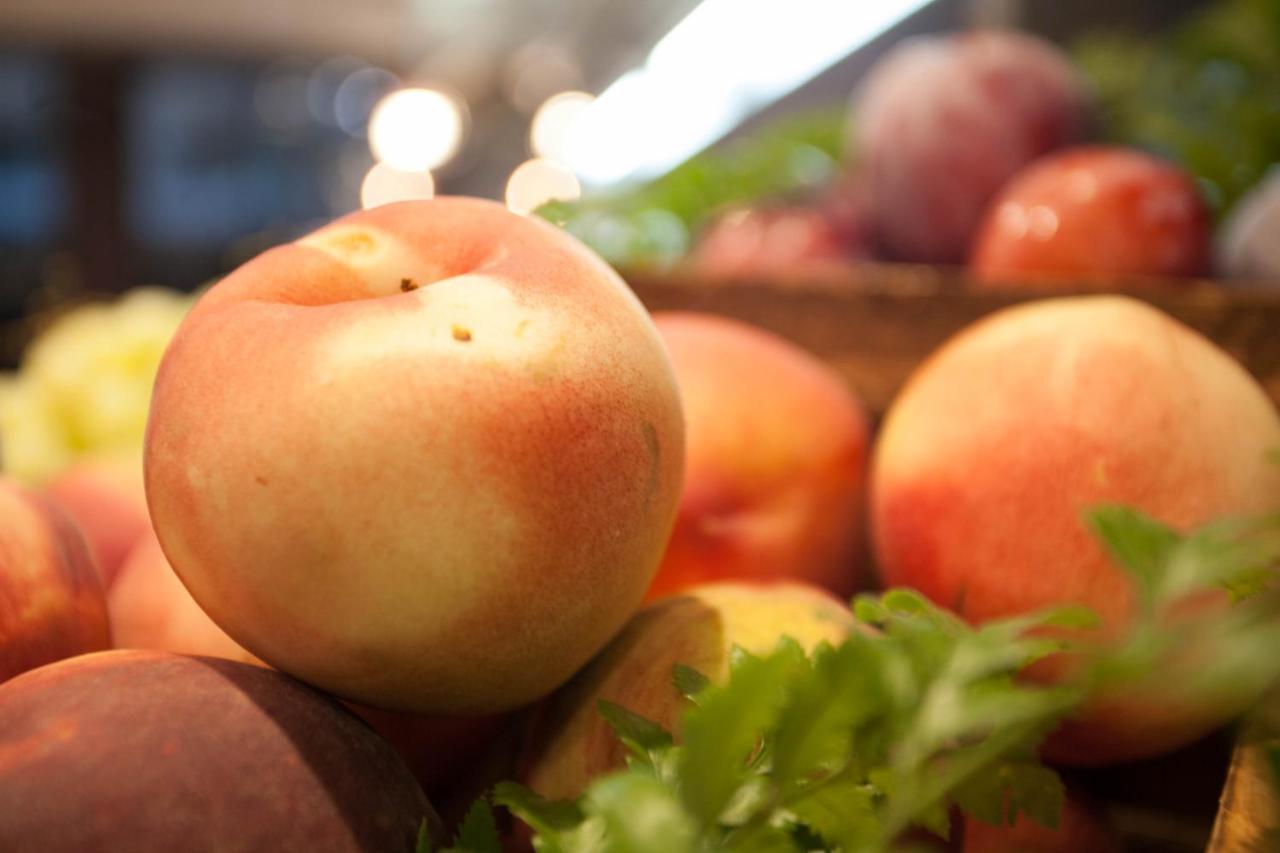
(996,447)
(105,497)
(776,454)
(51,598)
(426,458)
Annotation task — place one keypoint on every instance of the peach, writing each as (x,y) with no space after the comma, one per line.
(151,609)
(51,598)
(426,457)
(776,449)
(106,499)
(1001,441)
(136,751)
(570,744)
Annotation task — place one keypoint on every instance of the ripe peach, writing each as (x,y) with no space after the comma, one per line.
(426,457)
(106,499)
(51,598)
(1000,442)
(152,751)
(776,450)
(570,744)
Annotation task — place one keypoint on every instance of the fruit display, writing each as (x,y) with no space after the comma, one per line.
(642,525)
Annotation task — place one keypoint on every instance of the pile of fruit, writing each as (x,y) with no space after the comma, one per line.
(1002,153)
(447,543)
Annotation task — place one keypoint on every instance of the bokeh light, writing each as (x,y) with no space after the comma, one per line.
(538,181)
(553,122)
(416,129)
(383,184)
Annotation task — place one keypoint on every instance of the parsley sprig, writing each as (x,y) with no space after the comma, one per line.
(854,746)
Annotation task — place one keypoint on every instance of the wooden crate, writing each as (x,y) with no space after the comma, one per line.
(876,322)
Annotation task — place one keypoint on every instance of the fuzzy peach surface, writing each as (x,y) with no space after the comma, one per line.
(775,460)
(1009,433)
(106,499)
(426,457)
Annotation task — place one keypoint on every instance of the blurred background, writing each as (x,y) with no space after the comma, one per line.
(167,141)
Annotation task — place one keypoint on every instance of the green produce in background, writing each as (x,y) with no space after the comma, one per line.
(1205,94)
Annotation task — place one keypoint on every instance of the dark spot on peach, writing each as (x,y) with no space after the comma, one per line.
(260,480)
(408,284)
(461,333)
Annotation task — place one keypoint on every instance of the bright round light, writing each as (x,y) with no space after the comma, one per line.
(549,132)
(538,181)
(416,129)
(384,185)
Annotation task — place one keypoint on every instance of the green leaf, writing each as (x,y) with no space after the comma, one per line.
(478,832)
(728,726)
(641,815)
(688,681)
(816,727)
(641,737)
(541,814)
(843,813)
(1010,789)
(1140,544)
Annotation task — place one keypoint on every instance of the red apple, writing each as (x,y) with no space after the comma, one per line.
(106,499)
(943,121)
(1094,214)
(51,598)
(776,450)
(426,457)
(997,445)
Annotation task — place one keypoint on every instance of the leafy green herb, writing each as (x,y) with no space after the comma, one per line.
(688,681)
(853,746)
